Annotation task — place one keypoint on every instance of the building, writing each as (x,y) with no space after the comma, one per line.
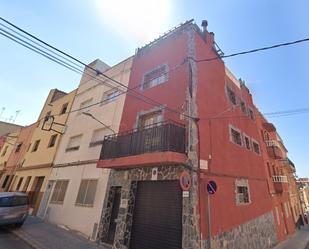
(6,128)
(35,166)
(303,185)
(16,159)
(78,187)
(195,125)
(8,145)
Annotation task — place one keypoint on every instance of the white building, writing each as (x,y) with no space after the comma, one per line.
(76,190)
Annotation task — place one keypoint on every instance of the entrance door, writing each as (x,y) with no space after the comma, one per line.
(157,217)
(42,210)
(37,184)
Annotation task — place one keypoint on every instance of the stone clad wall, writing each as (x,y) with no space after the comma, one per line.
(259,233)
(128,179)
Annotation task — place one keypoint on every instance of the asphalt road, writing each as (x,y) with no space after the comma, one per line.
(10,241)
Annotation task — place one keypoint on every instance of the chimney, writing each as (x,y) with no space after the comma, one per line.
(204,25)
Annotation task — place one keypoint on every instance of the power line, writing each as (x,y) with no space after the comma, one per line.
(251,51)
(144,98)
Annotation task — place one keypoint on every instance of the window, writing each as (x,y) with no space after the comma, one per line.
(247,142)
(150,118)
(242,192)
(6,179)
(243,107)
(36,145)
(59,191)
(18,147)
(97,137)
(4,150)
(64,108)
(155,77)
(251,114)
(19,183)
(83,106)
(110,95)
(74,143)
(26,184)
(231,95)
(52,140)
(48,114)
(235,136)
(256,147)
(86,192)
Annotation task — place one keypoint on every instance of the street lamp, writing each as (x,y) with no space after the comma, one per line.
(93,117)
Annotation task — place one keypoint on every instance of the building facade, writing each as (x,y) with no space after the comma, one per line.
(35,166)
(78,187)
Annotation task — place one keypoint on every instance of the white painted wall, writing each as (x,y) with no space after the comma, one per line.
(75,217)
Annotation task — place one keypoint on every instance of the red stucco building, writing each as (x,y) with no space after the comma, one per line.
(187,114)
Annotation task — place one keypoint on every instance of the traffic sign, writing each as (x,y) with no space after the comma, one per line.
(211,187)
(185,181)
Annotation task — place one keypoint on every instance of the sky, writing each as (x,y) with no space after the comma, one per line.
(113,30)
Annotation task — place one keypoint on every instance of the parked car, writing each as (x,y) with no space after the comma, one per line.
(14,208)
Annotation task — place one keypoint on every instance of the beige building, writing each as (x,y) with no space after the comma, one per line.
(5,152)
(76,186)
(40,153)
(8,127)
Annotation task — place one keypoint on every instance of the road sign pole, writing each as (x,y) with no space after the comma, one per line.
(209,220)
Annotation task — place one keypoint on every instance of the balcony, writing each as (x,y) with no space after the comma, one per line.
(280,183)
(158,144)
(274,149)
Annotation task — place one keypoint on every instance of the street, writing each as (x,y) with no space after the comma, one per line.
(10,241)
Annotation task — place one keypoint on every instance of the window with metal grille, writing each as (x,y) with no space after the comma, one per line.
(36,145)
(231,95)
(235,136)
(59,191)
(74,143)
(155,77)
(110,95)
(247,142)
(86,192)
(52,140)
(242,194)
(256,147)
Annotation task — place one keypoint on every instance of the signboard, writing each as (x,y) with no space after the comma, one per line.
(211,187)
(185,181)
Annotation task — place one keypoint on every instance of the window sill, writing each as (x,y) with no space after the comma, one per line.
(56,203)
(72,149)
(84,205)
(93,144)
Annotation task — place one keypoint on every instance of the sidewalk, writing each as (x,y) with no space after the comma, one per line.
(43,235)
(300,240)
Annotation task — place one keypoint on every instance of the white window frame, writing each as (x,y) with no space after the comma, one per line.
(86,192)
(94,142)
(58,194)
(244,141)
(73,148)
(252,143)
(113,91)
(242,183)
(231,127)
(157,80)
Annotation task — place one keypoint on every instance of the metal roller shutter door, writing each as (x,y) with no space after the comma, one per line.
(157,218)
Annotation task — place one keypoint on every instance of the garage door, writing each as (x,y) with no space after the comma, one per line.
(157,218)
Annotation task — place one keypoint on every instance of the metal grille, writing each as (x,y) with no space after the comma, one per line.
(166,136)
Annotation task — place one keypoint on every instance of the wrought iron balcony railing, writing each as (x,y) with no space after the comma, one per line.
(159,137)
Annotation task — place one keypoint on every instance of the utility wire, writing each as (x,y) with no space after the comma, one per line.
(251,51)
(144,98)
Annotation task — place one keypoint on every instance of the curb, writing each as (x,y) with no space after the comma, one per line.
(27,239)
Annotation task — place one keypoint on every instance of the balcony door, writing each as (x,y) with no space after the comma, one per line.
(151,132)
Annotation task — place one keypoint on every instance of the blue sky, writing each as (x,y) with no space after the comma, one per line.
(112,30)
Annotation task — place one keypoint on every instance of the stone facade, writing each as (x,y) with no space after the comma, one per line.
(128,179)
(256,234)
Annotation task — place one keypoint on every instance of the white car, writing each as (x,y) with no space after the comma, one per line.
(14,208)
